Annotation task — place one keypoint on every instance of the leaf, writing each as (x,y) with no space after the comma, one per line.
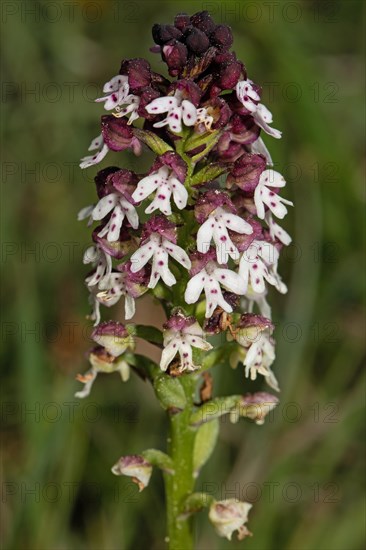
(149,333)
(209,173)
(156,144)
(198,145)
(204,444)
(159,459)
(170,392)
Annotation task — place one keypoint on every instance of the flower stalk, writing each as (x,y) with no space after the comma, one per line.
(197,232)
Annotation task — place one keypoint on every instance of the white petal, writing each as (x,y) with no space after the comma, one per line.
(96,143)
(268,252)
(177,253)
(274,203)
(130,307)
(174,119)
(261,122)
(197,342)
(104,206)
(260,148)
(214,297)
(195,287)
(180,193)
(115,83)
(146,186)
(237,224)
(161,200)
(91,255)
(161,105)
(169,352)
(204,235)
(230,280)
(224,245)
(257,277)
(131,213)
(244,272)
(258,201)
(95,159)
(185,353)
(142,255)
(85,212)
(160,268)
(189,113)
(271,178)
(115,223)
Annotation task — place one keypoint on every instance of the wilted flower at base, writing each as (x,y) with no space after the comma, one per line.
(136,467)
(101,361)
(255,406)
(228,516)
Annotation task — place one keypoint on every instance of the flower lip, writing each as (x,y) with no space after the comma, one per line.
(209,201)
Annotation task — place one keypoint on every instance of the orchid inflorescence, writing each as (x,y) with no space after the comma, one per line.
(197,231)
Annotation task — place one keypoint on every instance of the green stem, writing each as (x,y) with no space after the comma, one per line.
(181,484)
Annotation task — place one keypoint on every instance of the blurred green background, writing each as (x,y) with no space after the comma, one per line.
(303,469)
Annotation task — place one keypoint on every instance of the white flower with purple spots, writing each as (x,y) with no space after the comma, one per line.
(159,249)
(102,262)
(209,280)
(266,197)
(166,184)
(259,357)
(110,291)
(178,109)
(259,263)
(117,90)
(277,232)
(263,118)
(180,335)
(216,228)
(247,95)
(90,160)
(204,118)
(121,208)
